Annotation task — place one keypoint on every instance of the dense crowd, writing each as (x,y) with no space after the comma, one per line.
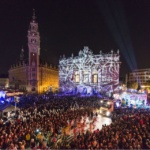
(47,122)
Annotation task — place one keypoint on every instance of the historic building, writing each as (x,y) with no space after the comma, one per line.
(88,73)
(32,75)
(4,81)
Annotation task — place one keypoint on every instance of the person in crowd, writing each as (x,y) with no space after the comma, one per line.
(53,122)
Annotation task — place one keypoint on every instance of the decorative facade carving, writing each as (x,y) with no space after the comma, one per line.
(88,73)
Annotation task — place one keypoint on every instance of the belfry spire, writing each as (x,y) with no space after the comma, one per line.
(22,54)
(33,52)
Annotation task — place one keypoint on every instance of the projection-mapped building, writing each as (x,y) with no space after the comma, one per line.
(88,73)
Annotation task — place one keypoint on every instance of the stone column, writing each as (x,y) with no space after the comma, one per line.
(81,76)
(99,77)
(90,76)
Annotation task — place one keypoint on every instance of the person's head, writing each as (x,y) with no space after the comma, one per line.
(11,145)
(23,142)
(44,145)
(32,140)
(22,147)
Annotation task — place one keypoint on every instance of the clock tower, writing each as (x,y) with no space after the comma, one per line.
(34,53)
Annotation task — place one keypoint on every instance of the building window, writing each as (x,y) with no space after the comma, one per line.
(33,82)
(33,41)
(77,78)
(33,74)
(33,69)
(33,88)
(94,78)
(86,78)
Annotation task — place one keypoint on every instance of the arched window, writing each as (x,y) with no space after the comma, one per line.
(33,63)
(85,77)
(33,88)
(33,74)
(94,76)
(77,77)
(33,40)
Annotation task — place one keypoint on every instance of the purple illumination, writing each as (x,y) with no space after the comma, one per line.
(2,94)
(89,74)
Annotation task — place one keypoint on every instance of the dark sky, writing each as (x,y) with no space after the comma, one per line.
(66,26)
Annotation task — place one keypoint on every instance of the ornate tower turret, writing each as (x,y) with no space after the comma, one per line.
(22,55)
(34,52)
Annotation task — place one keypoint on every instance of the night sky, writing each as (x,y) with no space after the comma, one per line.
(66,26)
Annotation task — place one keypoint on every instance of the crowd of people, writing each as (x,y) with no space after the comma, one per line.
(53,122)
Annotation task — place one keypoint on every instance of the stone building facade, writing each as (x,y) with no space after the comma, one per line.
(88,73)
(33,76)
(4,81)
(140,75)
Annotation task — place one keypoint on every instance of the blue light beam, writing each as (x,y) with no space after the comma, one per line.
(115,19)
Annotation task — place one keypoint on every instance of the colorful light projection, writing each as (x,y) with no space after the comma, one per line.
(88,73)
(2,94)
(135,99)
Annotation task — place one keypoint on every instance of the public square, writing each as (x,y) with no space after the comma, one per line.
(43,124)
(74,74)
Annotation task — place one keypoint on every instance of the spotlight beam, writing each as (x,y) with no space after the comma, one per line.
(116,22)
